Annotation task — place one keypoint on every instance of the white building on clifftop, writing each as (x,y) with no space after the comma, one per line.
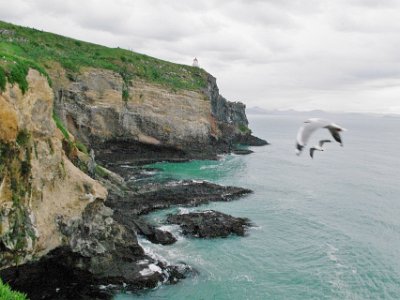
(195,63)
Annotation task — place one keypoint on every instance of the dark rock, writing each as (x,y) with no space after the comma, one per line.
(99,251)
(153,234)
(157,196)
(129,205)
(133,152)
(242,151)
(209,224)
(250,140)
(163,237)
(54,277)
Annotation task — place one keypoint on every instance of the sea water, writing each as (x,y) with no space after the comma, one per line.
(324,228)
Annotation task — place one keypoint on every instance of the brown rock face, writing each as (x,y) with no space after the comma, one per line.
(153,114)
(155,122)
(9,122)
(38,184)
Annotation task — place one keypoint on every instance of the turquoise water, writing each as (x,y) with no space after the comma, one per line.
(327,228)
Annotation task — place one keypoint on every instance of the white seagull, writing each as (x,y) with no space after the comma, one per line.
(312,125)
(319,147)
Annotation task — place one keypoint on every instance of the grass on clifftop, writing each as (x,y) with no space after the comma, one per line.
(14,69)
(30,47)
(7,294)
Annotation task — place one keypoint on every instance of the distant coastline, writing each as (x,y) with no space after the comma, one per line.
(256,110)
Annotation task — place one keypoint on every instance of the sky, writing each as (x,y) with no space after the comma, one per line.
(334,55)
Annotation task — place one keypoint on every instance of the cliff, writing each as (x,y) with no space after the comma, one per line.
(60,212)
(156,123)
(55,229)
(117,101)
(38,183)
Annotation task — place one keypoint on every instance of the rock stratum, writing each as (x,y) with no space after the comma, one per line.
(156,123)
(68,226)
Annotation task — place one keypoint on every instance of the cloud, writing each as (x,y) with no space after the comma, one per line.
(316,54)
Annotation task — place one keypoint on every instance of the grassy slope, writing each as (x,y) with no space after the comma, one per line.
(7,294)
(34,48)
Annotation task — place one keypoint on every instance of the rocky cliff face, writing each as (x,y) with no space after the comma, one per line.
(154,123)
(38,183)
(55,230)
(56,219)
(224,111)
(59,227)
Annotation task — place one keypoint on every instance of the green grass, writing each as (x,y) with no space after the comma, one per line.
(244,129)
(29,46)
(7,294)
(61,126)
(100,171)
(14,69)
(82,147)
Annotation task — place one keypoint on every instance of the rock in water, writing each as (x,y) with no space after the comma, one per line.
(210,224)
(242,151)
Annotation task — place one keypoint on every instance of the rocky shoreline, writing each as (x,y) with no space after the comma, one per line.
(104,257)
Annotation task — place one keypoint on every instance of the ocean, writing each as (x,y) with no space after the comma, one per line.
(324,228)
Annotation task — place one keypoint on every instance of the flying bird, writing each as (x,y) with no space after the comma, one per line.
(319,147)
(311,125)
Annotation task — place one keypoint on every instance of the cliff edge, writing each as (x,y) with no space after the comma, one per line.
(136,107)
(60,211)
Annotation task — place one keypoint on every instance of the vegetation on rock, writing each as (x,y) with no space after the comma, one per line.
(22,47)
(14,69)
(16,232)
(7,294)
(244,129)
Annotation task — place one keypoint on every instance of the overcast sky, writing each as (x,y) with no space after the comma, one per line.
(338,55)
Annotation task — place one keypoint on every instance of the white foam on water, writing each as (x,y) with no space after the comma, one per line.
(146,272)
(200,181)
(108,286)
(155,268)
(331,253)
(183,211)
(174,229)
(147,172)
(209,167)
(151,269)
(127,166)
(148,250)
(142,262)
(246,278)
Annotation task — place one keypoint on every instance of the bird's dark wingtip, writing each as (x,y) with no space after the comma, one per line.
(299,148)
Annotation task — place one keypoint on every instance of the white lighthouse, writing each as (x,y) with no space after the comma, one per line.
(195,63)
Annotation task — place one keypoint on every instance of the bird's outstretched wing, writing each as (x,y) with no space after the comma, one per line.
(335,133)
(312,152)
(322,142)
